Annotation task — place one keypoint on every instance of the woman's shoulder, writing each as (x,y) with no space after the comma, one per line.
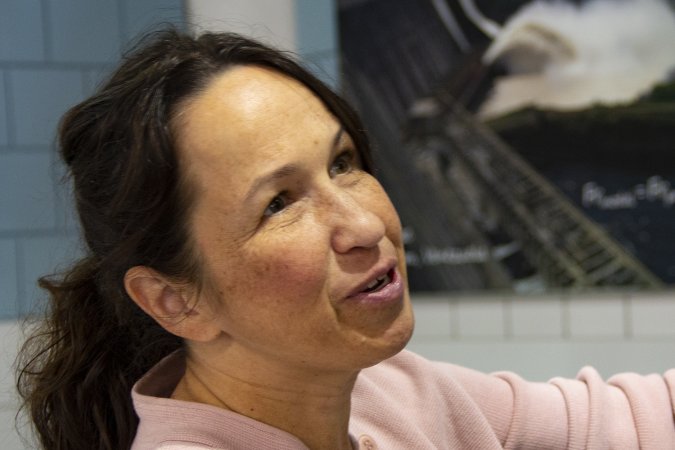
(426,404)
(414,368)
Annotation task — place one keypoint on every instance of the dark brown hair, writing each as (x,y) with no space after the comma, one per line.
(77,369)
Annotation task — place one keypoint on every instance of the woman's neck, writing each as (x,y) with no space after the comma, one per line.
(314,407)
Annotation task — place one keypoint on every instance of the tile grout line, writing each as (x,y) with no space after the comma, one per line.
(9,108)
(46,31)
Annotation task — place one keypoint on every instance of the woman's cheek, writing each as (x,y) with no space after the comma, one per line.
(293,268)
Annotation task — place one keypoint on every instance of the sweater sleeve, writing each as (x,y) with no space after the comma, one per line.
(627,412)
(441,405)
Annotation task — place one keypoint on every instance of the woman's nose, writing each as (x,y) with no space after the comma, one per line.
(355,225)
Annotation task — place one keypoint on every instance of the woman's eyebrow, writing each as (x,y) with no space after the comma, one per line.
(287,169)
(338,136)
(277,174)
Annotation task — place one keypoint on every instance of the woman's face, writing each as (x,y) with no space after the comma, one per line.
(303,261)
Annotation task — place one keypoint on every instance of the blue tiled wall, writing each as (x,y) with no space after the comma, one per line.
(84,31)
(3,111)
(8,278)
(38,98)
(21,31)
(52,54)
(138,16)
(317,40)
(27,189)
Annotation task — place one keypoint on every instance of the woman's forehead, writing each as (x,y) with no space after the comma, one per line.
(250,104)
(249,118)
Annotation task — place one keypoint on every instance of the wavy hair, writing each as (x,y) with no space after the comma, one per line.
(76,370)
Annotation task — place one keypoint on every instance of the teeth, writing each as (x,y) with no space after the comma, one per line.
(375,282)
(378,282)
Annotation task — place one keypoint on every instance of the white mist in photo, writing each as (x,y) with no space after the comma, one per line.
(566,57)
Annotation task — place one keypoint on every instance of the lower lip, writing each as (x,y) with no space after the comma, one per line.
(391,293)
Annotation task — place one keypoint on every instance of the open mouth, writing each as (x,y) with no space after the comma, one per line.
(378,283)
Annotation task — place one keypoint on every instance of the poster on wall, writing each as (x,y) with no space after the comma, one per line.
(527,145)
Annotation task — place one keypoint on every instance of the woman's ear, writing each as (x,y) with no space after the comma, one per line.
(171,304)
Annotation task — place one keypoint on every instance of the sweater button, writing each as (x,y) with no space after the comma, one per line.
(367,443)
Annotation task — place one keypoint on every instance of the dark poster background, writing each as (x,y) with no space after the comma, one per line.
(573,187)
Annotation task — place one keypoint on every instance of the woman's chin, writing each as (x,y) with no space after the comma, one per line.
(392,341)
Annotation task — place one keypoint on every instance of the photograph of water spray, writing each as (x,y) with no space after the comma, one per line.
(540,134)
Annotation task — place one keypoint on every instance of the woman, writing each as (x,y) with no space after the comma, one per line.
(246,275)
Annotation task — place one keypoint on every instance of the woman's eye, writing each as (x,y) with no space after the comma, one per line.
(342,164)
(277,204)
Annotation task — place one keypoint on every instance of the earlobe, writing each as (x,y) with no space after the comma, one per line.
(168,303)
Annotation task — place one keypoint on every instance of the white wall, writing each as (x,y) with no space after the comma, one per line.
(554,335)
(306,27)
(272,21)
(10,336)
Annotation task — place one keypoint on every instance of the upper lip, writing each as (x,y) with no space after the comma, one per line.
(379,270)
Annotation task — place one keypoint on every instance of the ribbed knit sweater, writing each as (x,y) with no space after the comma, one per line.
(410,403)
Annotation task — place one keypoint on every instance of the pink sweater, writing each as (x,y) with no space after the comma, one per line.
(410,403)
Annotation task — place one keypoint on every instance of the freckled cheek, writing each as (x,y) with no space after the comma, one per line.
(295,272)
